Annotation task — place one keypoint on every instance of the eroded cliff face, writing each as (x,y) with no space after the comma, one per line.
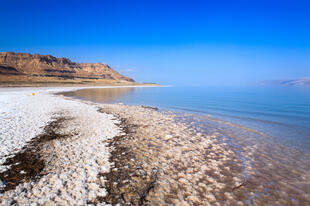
(23,64)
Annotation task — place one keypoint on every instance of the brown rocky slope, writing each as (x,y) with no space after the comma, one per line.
(23,67)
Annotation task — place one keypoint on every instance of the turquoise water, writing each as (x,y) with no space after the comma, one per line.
(282,113)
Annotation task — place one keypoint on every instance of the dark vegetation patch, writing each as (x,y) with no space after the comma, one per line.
(7,70)
(107,76)
(64,76)
(128,79)
(40,83)
(28,163)
(60,76)
(60,71)
(128,182)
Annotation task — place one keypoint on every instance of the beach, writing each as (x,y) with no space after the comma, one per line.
(60,150)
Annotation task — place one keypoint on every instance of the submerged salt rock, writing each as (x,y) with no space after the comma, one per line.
(210,197)
(168,136)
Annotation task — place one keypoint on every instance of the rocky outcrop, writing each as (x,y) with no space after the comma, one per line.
(48,66)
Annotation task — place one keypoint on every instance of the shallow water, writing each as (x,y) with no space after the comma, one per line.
(274,168)
(282,113)
(268,129)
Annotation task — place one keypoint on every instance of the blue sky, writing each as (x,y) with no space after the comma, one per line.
(169,42)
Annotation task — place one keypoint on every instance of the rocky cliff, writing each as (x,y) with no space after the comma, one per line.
(49,67)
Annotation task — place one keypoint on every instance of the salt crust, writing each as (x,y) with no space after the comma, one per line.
(71,177)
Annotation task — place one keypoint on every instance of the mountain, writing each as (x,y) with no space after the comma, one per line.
(32,68)
(304,81)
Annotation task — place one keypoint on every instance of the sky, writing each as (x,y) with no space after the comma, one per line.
(198,43)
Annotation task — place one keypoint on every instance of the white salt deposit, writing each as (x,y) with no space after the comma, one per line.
(71,177)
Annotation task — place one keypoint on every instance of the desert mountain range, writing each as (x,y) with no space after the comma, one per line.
(26,67)
(304,81)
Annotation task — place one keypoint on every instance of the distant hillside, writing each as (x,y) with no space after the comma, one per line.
(304,81)
(26,67)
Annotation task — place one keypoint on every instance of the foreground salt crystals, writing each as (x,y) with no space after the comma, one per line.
(73,162)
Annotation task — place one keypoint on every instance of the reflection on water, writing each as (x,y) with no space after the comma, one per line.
(281,113)
(101,95)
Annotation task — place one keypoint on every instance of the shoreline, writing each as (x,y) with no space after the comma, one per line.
(72,84)
(151,158)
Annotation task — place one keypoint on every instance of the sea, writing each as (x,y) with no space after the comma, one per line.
(280,113)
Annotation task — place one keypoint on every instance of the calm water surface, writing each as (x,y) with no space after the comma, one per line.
(268,128)
(282,113)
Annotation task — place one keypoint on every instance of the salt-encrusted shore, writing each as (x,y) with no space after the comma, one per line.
(110,154)
(72,162)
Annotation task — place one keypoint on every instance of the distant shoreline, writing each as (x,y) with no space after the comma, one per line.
(69,84)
